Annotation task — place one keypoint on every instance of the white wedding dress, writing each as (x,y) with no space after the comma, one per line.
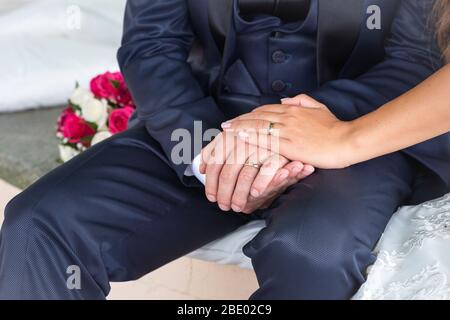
(413,255)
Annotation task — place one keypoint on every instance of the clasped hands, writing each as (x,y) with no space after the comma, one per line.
(262,153)
(245,173)
(245,178)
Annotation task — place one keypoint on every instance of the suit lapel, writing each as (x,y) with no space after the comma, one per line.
(338,30)
(220,15)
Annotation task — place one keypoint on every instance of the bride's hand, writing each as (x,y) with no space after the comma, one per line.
(300,129)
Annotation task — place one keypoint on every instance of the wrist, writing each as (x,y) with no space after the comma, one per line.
(350,143)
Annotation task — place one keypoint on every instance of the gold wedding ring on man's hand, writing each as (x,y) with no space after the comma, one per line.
(253,165)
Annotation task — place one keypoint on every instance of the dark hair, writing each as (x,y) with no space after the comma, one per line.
(442,14)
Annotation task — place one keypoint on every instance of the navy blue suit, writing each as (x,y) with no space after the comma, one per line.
(123,208)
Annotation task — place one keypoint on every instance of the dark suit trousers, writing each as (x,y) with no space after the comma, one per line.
(118,211)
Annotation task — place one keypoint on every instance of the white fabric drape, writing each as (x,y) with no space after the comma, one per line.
(44,51)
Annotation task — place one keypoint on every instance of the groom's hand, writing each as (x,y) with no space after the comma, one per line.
(245,178)
(277,187)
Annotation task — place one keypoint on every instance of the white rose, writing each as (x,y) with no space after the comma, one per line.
(80,96)
(95,111)
(100,136)
(66,153)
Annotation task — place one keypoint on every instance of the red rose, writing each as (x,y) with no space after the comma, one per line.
(111,86)
(124,98)
(62,118)
(118,119)
(73,127)
(107,85)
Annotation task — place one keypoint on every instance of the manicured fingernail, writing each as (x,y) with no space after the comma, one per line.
(243,135)
(236,208)
(285,99)
(224,207)
(226,125)
(211,198)
(309,169)
(254,193)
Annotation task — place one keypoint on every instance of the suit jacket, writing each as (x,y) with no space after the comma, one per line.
(172,90)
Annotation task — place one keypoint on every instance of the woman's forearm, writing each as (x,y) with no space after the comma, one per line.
(417,116)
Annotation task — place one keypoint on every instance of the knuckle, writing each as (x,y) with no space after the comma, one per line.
(258,186)
(222,199)
(246,176)
(261,125)
(239,201)
(226,176)
(212,169)
(210,190)
(248,210)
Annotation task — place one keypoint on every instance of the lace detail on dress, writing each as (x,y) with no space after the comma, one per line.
(431,224)
(413,255)
(442,203)
(429,284)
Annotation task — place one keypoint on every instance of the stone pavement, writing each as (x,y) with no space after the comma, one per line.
(28,146)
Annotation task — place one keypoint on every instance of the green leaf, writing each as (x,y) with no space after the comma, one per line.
(92,125)
(115,83)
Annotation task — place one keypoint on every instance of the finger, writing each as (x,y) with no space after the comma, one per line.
(208,151)
(276,108)
(205,155)
(242,191)
(274,142)
(305,101)
(278,184)
(308,102)
(294,101)
(256,120)
(295,168)
(267,173)
(264,127)
(306,172)
(246,178)
(229,176)
(262,115)
(277,188)
(215,163)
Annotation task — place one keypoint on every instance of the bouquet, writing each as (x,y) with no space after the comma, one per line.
(94,114)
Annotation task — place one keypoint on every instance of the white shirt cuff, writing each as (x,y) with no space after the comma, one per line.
(194,169)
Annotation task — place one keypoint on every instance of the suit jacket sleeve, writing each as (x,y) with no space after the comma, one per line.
(411,56)
(153,59)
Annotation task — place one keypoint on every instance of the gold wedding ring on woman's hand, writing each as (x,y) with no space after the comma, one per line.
(271,128)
